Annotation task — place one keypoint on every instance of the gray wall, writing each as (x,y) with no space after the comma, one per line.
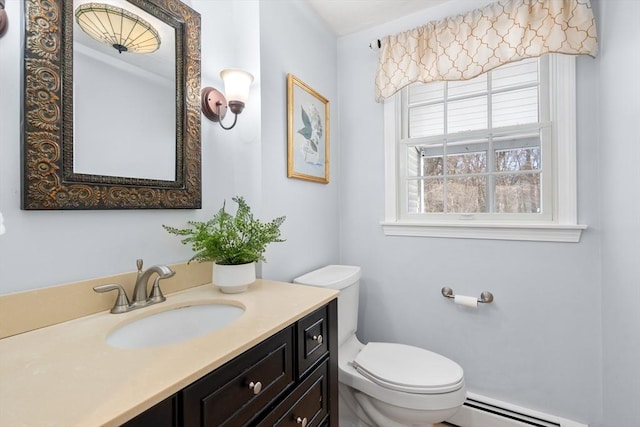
(48,248)
(294,40)
(539,345)
(619,110)
(547,343)
(43,249)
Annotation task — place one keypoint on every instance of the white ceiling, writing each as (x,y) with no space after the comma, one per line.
(349,16)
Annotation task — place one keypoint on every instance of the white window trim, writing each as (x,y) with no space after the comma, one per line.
(562,228)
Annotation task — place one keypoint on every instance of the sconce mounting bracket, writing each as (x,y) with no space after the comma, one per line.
(214,104)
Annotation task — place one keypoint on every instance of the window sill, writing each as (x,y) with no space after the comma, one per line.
(524,232)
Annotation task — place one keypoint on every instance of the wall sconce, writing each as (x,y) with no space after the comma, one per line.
(3,19)
(236,87)
(123,30)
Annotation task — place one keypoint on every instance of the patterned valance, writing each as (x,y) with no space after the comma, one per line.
(465,46)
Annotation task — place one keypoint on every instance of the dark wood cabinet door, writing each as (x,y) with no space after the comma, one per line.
(313,340)
(235,393)
(307,405)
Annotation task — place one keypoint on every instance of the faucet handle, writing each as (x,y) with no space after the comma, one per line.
(122,302)
(156,292)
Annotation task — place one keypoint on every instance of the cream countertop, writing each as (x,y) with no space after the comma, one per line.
(66,374)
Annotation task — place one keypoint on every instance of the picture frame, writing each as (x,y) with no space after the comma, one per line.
(307,132)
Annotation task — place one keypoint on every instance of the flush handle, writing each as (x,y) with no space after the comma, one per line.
(302,421)
(255,387)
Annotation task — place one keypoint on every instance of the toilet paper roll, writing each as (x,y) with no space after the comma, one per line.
(466,301)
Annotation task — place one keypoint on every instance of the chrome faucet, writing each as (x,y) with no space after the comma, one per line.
(140,296)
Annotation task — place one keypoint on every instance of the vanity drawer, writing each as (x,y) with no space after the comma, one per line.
(237,392)
(309,401)
(313,339)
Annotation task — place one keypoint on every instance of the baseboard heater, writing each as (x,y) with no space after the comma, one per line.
(481,411)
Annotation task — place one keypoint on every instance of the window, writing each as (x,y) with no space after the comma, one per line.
(491,157)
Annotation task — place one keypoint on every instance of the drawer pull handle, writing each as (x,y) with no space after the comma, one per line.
(256,387)
(318,338)
(302,421)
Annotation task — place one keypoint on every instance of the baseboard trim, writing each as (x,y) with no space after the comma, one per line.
(482,411)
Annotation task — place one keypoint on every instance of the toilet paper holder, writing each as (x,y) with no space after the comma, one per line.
(486,297)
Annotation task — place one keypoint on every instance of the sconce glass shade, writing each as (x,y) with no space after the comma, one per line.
(117,27)
(236,85)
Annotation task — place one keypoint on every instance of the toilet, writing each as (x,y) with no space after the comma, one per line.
(385,384)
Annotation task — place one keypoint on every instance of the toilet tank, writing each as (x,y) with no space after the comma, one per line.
(346,279)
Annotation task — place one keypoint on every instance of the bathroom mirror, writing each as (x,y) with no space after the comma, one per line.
(107,128)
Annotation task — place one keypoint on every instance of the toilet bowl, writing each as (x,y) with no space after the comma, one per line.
(386,384)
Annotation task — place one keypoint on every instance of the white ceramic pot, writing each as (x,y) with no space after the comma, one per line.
(232,279)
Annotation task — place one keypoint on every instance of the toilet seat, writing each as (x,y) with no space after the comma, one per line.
(412,369)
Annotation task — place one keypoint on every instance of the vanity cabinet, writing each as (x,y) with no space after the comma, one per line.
(164,414)
(289,379)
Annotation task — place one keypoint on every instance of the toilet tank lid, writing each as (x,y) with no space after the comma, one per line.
(331,276)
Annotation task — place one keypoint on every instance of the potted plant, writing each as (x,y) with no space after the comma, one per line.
(233,242)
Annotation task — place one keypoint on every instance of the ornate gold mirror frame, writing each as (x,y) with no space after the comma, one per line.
(48,178)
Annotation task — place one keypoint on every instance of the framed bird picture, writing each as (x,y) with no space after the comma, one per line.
(308,132)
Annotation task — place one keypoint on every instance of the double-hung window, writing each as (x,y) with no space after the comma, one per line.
(490,157)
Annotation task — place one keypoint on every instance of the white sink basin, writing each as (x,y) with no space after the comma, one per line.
(174,325)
